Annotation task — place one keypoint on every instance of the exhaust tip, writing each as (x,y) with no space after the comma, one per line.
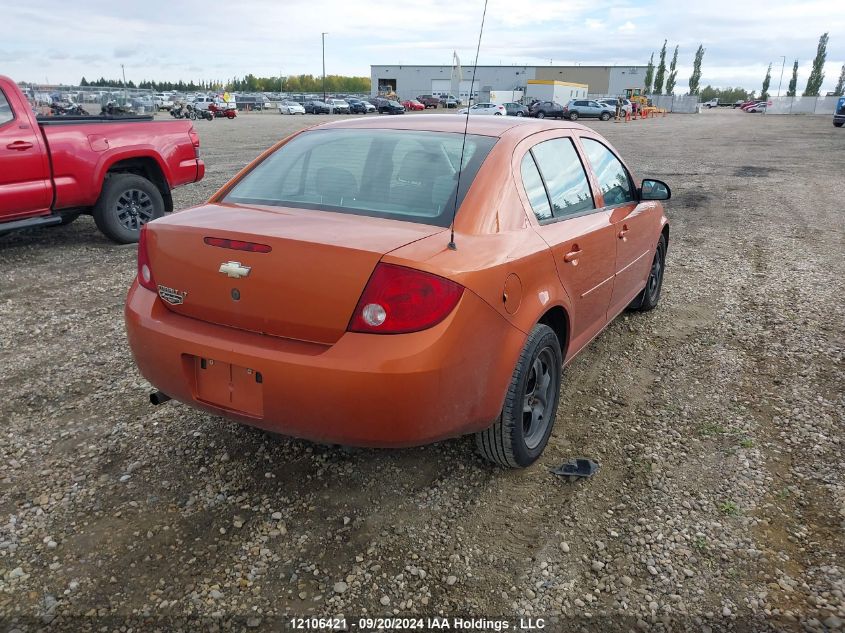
(158,397)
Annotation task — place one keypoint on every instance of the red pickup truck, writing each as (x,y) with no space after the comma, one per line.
(119,169)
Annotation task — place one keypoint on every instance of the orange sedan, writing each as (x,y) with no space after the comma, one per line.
(329,299)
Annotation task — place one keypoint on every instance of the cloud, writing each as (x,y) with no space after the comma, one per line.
(185,40)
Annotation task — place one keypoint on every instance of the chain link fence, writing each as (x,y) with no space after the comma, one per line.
(91,98)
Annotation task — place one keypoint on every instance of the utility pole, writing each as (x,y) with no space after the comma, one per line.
(125,95)
(324,66)
(781,73)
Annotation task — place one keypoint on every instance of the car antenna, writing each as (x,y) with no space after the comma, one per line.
(452,245)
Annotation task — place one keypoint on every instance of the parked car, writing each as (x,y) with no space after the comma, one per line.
(546,110)
(388,106)
(611,103)
(587,108)
(316,107)
(351,322)
(338,106)
(201,102)
(291,107)
(429,101)
(359,106)
(484,109)
(516,109)
(413,104)
(759,107)
(839,113)
(448,101)
(120,170)
(162,101)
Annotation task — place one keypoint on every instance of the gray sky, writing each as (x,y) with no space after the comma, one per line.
(62,41)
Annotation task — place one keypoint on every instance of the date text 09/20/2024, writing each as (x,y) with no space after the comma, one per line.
(410,623)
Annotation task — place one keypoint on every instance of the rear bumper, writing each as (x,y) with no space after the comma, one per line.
(364,390)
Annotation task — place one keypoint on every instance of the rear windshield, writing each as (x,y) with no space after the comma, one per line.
(397,174)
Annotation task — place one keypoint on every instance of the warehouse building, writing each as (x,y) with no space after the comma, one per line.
(410,81)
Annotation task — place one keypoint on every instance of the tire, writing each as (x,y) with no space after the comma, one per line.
(541,115)
(605,116)
(126,203)
(519,113)
(573,116)
(497,114)
(514,441)
(650,295)
(838,123)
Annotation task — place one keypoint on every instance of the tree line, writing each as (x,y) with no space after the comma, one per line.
(655,77)
(249,83)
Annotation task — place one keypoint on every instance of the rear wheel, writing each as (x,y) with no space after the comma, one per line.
(126,203)
(573,116)
(520,434)
(650,296)
(838,123)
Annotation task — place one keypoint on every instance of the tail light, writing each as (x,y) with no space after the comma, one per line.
(145,271)
(195,141)
(398,300)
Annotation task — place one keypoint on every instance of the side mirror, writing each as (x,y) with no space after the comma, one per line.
(655,190)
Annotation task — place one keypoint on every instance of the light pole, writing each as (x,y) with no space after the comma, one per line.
(781,73)
(324,65)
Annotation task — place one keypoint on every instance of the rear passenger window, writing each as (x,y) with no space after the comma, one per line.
(5,110)
(535,189)
(564,176)
(612,176)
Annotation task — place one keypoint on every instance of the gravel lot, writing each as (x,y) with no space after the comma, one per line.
(717,419)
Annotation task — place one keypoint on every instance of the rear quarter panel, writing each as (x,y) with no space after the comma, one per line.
(82,153)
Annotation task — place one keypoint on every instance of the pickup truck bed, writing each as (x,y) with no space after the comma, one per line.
(119,169)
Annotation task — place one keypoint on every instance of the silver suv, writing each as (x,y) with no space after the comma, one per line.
(586,108)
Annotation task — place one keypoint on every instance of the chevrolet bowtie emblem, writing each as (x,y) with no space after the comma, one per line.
(234,270)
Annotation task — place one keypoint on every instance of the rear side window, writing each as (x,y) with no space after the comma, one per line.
(612,176)
(396,174)
(535,189)
(563,173)
(6,114)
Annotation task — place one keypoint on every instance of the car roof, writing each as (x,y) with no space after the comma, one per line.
(483,126)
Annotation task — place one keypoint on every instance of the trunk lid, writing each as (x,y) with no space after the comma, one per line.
(305,288)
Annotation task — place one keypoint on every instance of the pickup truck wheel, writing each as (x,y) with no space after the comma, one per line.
(519,435)
(126,203)
(650,296)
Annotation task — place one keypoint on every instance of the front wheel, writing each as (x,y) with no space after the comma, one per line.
(541,115)
(520,434)
(519,113)
(650,296)
(838,123)
(126,203)
(605,116)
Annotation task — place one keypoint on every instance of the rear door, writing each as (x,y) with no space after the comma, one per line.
(580,236)
(636,225)
(25,187)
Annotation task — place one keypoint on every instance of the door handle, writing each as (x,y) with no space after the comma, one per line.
(19,145)
(623,232)
(572,256)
